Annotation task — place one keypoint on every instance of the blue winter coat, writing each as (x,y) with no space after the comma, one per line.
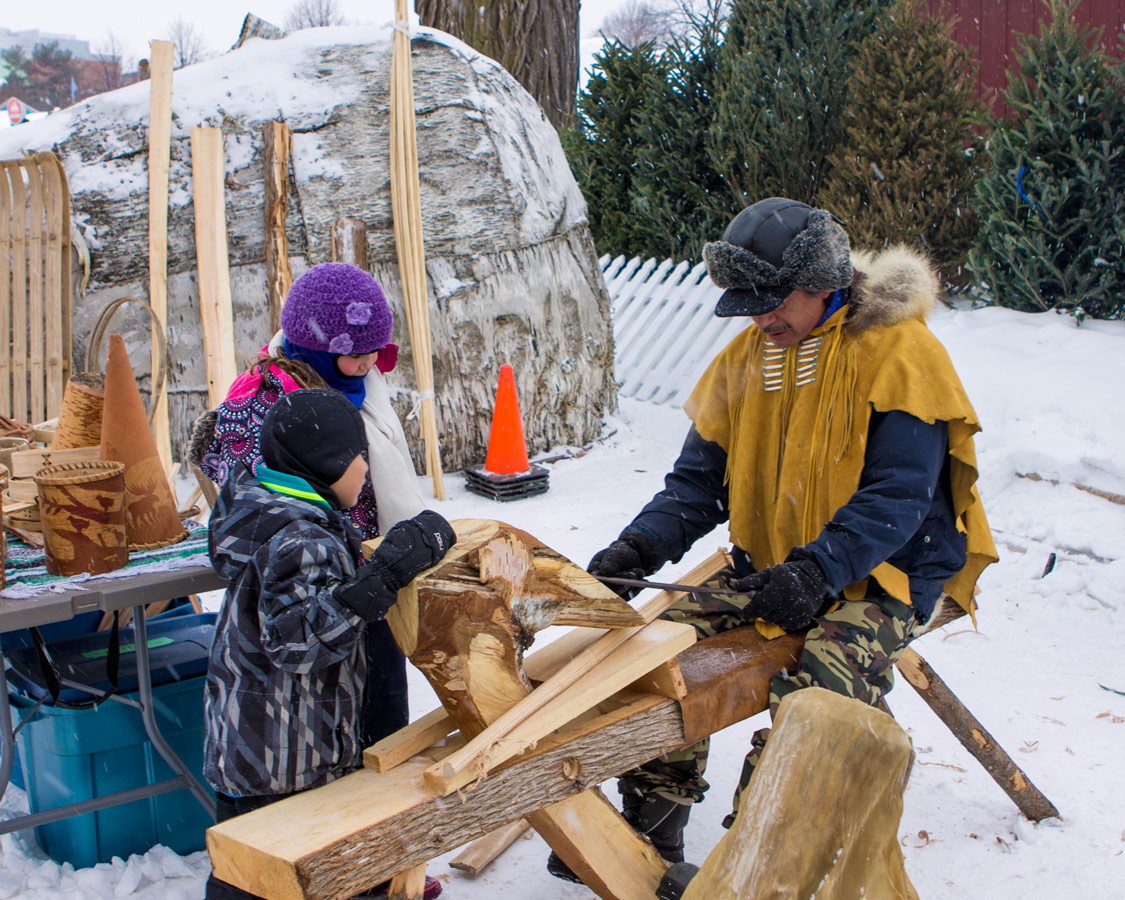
(287,668)
(901,512)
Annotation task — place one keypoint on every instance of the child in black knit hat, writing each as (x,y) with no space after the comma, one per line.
(287,670)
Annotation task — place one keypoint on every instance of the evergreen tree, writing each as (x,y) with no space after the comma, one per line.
(602,146)
(679,200)
(1052,205)
(903,173)
(782,91)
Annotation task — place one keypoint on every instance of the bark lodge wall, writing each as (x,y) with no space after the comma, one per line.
(512,273)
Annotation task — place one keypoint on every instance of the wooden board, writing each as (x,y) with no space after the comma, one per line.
(208,168)
(415,738)
(159,150)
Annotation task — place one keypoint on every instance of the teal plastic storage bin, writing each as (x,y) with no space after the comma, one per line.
(72,755)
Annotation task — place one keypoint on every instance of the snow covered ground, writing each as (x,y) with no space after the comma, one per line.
(1049,396)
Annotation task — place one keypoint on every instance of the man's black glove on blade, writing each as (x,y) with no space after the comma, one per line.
(630,556)
(408,548)
(788,594)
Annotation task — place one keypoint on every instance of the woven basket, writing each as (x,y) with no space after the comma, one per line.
(10,445)
(82,506)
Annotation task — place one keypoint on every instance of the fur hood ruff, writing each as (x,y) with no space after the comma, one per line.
(891,287)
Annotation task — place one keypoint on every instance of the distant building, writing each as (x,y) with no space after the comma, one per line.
(28,38)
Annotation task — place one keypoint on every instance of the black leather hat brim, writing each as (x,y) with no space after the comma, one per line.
(749,302)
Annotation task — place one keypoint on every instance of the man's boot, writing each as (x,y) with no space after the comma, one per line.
(659,817)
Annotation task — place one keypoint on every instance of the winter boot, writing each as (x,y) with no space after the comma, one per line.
(656,816)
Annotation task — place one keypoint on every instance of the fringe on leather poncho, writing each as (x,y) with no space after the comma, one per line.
(794,421)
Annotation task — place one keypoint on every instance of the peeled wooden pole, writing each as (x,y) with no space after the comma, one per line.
(407,212)
(159,151)
(975,738)
(208,170)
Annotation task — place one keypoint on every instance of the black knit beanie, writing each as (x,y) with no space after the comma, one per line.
(314,434)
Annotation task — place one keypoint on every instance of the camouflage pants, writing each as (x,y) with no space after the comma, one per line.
(850,650)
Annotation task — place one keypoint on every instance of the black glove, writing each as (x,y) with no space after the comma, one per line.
(789,594)
(630,556)
(408,548)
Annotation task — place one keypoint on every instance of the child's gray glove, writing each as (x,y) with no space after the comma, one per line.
(409,548)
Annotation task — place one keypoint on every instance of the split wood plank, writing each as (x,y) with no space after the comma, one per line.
(159,159)
(367,826)
(18,243)
(37,399)
(975,737)
(601,848)
(462,767)
(406,210)
(277,145)
(6,294)
(208,173)
(645,648)
(475,858)
(56,281)
(415,738)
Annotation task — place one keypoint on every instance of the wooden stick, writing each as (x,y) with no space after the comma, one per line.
(19,408)
(208,170)
(277,147)
(462,767)
(475,858)
(975,738)
(407,214)
(159,153)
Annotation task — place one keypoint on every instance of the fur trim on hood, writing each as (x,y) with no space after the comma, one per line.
(891,287)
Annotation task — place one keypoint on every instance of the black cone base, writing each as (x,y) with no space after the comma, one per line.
(506,487)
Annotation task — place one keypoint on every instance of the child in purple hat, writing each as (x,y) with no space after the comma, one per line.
(336,333)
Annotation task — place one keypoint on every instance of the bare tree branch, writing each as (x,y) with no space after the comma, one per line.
(110,55)
(642,22)
(314,14)
(187,43)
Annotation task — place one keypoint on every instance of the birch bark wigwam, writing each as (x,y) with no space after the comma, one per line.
(511,274)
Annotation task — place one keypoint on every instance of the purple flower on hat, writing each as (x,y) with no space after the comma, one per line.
(358,313)
(337,308)
(341,344)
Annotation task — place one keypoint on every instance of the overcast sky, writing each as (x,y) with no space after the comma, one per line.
(136,22)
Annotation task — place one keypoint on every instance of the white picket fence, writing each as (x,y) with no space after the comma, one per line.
(664,326)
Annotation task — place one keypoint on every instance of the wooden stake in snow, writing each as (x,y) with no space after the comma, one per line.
(159,151)
(207,171)
(276,146)
(407,211)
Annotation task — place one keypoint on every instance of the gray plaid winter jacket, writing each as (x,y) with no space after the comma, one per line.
(287,669)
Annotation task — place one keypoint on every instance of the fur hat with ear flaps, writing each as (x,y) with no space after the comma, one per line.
(773,247)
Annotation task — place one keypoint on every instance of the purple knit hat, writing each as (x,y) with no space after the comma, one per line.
(337,308)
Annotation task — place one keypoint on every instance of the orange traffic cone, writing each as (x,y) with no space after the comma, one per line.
(151,519)
(506,473)
(507,450)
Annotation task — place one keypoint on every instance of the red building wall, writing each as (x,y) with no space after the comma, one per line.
(991,28)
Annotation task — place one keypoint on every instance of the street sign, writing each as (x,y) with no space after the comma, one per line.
(16,112)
